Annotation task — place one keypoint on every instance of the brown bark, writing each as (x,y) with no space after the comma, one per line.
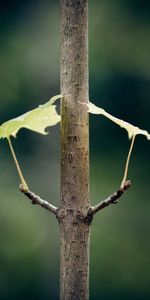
(74,227)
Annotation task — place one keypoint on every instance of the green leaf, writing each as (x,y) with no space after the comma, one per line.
(131,129)
(37,120)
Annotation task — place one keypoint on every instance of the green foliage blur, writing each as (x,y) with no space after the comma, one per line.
(119,66)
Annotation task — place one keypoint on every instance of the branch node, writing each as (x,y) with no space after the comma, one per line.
(115,201)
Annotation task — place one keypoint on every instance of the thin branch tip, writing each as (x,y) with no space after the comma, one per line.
(22,188)
(35,199)
(112,199)
(127,185)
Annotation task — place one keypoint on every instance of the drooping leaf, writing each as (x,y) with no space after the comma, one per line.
(37,120)
(131,129)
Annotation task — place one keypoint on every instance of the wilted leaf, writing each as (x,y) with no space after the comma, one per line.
(37,120)
(131,129)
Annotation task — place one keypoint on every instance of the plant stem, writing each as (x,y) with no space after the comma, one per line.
(74,230)
(17,165)
(127,162)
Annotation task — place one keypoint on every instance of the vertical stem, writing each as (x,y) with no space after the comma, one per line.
(74,274)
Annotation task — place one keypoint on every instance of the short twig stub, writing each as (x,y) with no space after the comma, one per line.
(35,199)
(112,199)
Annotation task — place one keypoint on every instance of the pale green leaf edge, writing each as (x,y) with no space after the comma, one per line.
(37,119)
(131,129)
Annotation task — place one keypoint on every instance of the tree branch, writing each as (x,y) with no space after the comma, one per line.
(112,199)
(37,200)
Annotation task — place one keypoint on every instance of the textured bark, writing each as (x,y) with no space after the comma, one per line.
(74,227)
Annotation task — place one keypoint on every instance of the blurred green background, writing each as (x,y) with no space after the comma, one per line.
(119,64)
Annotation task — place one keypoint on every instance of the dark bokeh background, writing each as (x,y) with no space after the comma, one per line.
(119,47)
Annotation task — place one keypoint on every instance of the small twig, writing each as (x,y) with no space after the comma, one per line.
(112,199)
(37,200)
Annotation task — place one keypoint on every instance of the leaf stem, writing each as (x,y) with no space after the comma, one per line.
(127,162)
(17,165)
